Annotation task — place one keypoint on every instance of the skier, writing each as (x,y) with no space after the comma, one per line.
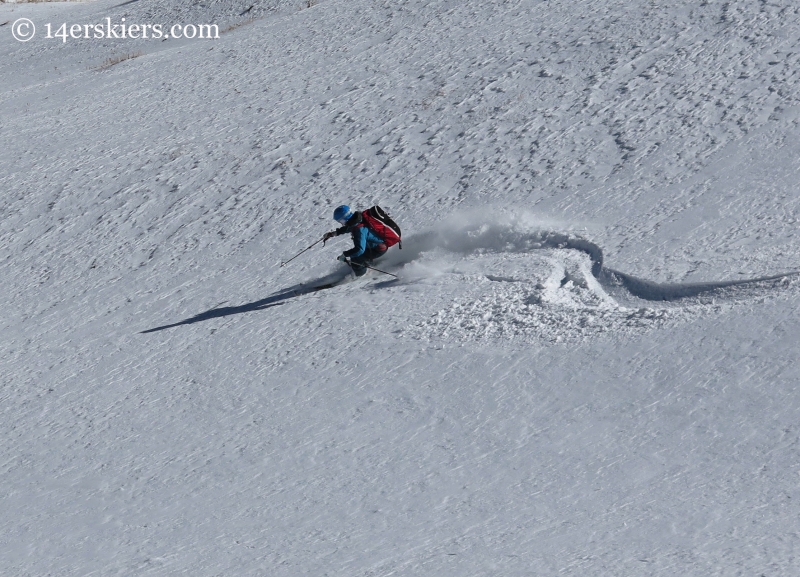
(367,244)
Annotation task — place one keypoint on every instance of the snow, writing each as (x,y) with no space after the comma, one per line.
(568,377)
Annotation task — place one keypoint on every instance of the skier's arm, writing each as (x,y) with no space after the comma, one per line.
(359,242)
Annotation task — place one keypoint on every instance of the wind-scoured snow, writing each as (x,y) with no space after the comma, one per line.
(586,366)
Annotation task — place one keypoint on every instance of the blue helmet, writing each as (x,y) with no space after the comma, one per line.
(342,214)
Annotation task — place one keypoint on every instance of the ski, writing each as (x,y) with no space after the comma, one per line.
(314,289)
(322,287)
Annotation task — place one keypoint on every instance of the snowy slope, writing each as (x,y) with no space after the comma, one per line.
(172,403)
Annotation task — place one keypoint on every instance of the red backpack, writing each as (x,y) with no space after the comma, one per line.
(381,224)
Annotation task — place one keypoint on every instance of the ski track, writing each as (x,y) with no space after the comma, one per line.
(570,298)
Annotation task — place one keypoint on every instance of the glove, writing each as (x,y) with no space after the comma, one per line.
(328,236)
(342,258)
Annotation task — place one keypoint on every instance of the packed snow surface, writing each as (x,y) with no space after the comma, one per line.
(587,364)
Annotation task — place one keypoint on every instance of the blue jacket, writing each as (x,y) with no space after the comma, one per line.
(363,237)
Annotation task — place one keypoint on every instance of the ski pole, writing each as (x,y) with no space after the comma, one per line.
(383,271)
(302,251)
(370,267)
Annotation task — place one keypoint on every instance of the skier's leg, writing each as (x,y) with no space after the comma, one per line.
(369,255)
(357,265)
(373,254)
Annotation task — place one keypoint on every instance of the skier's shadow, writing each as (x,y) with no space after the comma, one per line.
(271,301)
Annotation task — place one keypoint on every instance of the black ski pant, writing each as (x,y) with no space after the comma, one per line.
(369,255)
